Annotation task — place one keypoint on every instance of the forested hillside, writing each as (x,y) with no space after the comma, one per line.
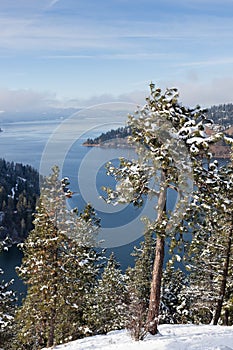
(221,115)
(19,190)
(109,135)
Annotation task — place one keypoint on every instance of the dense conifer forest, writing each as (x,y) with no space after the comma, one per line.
(221,114)
(19,190)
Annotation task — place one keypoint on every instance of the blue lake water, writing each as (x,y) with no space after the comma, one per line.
(25,142)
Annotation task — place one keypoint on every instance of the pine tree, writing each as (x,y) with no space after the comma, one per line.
(175,305)
(7,309)
(138,286)
(106,310)
(59,268)
(212,246)
(170,141)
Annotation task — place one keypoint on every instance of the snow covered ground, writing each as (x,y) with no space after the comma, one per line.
(173,337)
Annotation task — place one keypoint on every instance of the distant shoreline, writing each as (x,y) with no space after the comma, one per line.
(219,152)
(91,144)
(114,143)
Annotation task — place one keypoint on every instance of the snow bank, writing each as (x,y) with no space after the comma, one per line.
(172,337)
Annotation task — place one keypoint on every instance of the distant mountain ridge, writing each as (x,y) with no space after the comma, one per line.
(42,114)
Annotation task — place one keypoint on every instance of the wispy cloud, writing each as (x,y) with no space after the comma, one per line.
(51,33)
(52,3)
(114,44)
(111,56)
(210,62)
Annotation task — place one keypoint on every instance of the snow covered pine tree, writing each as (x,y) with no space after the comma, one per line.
(170,140)
(59,268)
(138,286)
(106,308)
(212,245)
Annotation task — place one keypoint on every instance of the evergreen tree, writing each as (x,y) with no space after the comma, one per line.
(106,310)
(59,268)
(212,246)
(7,310)
(175,304)
(138,286)
(170,141)
(19,191)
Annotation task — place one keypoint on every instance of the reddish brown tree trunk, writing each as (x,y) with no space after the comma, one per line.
(155,292)
(153,312)
(222,289)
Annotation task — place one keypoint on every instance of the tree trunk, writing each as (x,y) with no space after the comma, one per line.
(53,315)
(222,289)
(51,329)
(226,318)
(155,292)
(154,304)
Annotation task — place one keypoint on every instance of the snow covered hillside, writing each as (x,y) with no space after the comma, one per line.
(173,337)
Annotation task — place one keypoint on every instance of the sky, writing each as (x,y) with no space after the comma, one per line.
(74,53)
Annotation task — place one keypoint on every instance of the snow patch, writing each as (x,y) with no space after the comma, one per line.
(171,337)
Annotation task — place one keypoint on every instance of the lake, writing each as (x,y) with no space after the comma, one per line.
(44,144)
(25,142)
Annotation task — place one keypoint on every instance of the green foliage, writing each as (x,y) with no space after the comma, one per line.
(221,114)
(19,190)
(7,310)
(175,304)
(109,135)
(60,268)
(140,274)
(138,286)
(167,137)
(106,309)
(172,145)
(211,249)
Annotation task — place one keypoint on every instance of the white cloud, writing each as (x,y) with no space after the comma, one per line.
(114,56)
(134,96)
(24,100)
(195,91)
(192,92)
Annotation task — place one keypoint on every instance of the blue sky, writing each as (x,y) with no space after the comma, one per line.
(81,52)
